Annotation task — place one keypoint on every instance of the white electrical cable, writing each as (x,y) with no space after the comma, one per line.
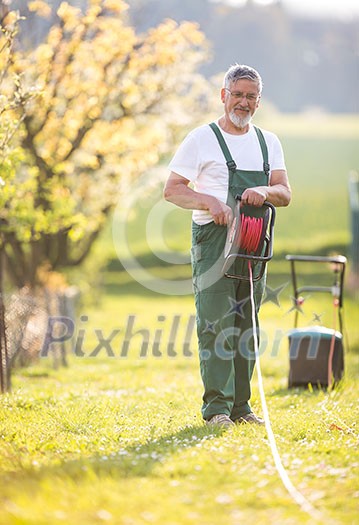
(297,496)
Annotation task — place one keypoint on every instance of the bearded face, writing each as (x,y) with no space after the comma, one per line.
(241,101)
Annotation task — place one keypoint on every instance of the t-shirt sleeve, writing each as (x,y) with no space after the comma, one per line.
(277,161)
(186,161)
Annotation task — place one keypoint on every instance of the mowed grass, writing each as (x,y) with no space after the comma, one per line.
(118,437)
(121,440)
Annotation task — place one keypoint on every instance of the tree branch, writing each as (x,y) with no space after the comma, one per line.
(18,276)
(56,84)
(28,143)
(89,242)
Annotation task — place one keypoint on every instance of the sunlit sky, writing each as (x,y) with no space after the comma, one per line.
(339,8)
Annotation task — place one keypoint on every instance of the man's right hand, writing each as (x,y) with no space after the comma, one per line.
(221,213)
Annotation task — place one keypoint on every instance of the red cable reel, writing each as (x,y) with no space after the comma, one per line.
(249,237)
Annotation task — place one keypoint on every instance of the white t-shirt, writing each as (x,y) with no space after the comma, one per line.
(200,160)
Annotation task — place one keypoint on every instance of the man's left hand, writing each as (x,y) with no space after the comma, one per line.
(254,196)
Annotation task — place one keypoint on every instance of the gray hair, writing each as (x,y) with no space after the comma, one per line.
(238,71)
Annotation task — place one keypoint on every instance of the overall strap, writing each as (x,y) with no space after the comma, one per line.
(263,145)
(232,166)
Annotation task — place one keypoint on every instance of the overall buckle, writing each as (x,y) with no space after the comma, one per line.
(266,168)
(231,165)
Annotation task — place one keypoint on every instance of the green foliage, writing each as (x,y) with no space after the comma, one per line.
(14,99)
(102,119)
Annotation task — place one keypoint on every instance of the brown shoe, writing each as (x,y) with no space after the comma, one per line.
(251,419)
(221,420)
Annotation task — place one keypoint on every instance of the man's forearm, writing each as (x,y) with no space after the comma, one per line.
(180,194)
(187,198)
(278,195)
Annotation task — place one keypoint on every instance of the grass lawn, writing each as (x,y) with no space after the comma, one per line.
(117,437)
(122,441)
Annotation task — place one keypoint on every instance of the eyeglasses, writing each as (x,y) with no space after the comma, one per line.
(251,97)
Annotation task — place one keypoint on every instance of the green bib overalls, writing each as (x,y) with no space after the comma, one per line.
(224,326)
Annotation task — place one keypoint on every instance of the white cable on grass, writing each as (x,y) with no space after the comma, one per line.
(297,496)
(337,418)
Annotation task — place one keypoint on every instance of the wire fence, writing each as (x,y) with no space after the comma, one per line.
(24,319)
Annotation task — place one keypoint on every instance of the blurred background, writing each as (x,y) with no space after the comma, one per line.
(306,51)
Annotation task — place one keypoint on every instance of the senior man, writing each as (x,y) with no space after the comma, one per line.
(213,165)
